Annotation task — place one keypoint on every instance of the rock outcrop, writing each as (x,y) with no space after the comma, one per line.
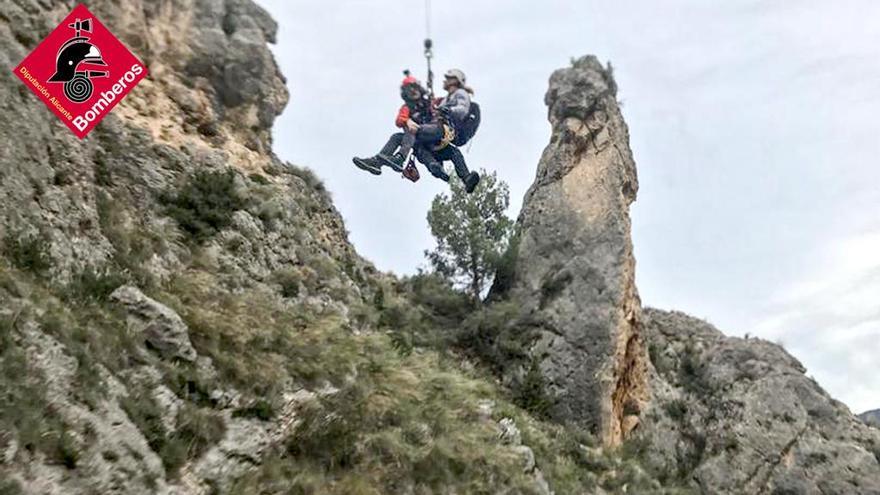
(871,417)
(161,327)
(733,415)
(574,269)
(716,414)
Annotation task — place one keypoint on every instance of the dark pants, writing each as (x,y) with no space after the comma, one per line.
(397,141)
(433,161)
(429,135)
(423,142)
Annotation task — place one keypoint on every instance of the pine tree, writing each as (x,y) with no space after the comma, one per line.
(472,232)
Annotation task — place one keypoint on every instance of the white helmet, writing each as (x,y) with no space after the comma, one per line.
(456,74)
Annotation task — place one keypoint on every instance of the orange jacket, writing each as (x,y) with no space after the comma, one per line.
(421,117)
(402,117)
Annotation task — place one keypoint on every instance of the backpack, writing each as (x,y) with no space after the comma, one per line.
(466,130)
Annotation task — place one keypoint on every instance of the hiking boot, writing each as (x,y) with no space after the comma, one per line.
(471,181)
(368,164)
(394,161)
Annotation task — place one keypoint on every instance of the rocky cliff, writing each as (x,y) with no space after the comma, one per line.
(574,272)
(181,312)
(719,414)
(737,415)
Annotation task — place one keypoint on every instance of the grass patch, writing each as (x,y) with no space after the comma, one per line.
(94,284)
(10,486)
(24,409)
(255,342)
(405,422)
(196,429)
(133,245)
(95,335)
(28,252)
(260,409)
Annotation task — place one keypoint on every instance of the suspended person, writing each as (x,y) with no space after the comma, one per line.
(430,132)
(460,115)
(415,117)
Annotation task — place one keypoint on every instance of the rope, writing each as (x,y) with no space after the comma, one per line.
(428,48)
(428,19)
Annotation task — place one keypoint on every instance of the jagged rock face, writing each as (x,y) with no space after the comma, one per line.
(160,326)
(96,207)
(574,271)
(731,415)
(210,99)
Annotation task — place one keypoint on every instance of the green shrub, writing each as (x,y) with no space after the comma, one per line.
(531,394)
(330,429)
(28,252)
(692,373)
(62,178)
(260,409)
(146,414)
(689,457)
(67,450)
(505,270)
(497,336)
(290,280)
(677,409)
(259,179)
(197,429)
(132,246)
(188,383)
(309,177)
(205,203)
(661,362)
(9,486)
(444,306)
(103,174)
(94,284)
(24,409)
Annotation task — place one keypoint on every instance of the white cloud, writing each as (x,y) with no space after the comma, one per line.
(830,319)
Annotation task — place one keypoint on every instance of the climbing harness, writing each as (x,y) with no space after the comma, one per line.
(448,137)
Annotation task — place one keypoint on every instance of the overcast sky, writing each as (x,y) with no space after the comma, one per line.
(755,126)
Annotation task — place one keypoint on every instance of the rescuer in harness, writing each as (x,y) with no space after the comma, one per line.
(433,130)
(463,116)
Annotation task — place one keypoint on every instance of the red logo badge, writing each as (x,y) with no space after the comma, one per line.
(81,71)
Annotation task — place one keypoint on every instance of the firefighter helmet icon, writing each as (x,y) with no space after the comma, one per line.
(75,52)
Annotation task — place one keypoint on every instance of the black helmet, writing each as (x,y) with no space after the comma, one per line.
(73,53)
